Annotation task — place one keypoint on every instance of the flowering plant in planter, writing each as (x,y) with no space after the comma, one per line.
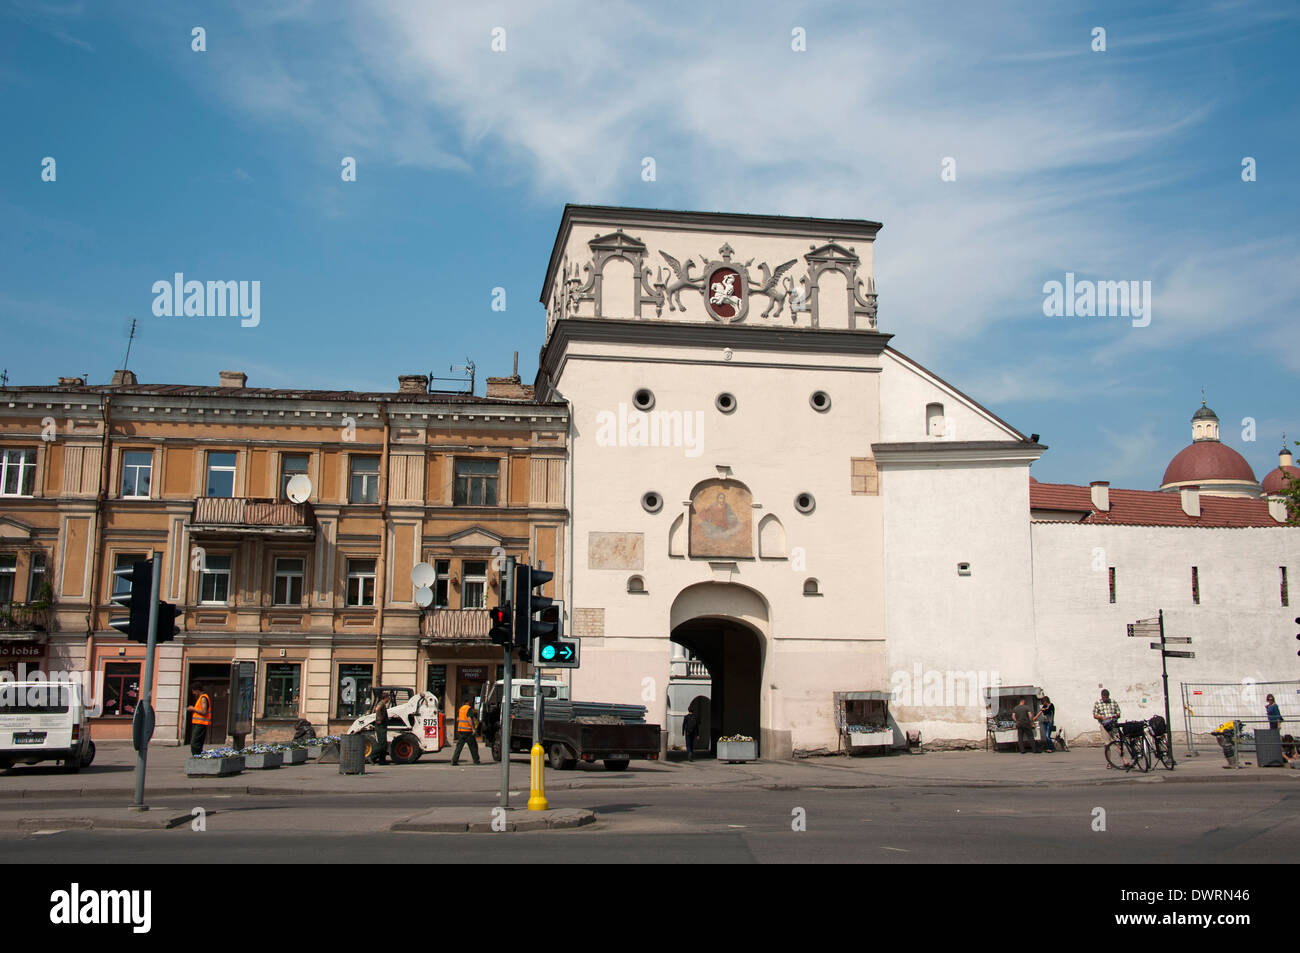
(740,738)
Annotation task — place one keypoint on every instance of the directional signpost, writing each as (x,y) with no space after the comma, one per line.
(1150,628)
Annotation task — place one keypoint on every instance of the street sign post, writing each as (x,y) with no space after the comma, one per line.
(1149,628)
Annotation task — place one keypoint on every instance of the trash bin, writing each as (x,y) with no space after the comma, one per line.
(352,754)
(1268,748)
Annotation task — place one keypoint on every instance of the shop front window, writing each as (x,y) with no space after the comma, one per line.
(354,690)
(282,690)
(121,688)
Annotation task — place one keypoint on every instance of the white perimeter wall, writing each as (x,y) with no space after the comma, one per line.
(1239,631)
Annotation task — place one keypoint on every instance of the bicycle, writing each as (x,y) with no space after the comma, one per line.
(1160,742)
(1128,747)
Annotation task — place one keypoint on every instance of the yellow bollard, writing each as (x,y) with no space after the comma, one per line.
(537,797)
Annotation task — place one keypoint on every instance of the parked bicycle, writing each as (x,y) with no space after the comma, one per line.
(1127,748)
(1160,740)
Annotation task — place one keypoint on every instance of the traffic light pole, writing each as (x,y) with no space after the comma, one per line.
(537,676)
(504,729)
(145,710)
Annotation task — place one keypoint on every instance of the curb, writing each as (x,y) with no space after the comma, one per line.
(445,821)
(132,822)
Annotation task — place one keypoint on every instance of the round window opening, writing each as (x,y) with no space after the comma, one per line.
(643,399)
(805,503)
(652,502)
(820,400)
(725,402)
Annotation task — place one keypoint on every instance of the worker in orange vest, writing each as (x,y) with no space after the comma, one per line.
(199,721)
(465,733)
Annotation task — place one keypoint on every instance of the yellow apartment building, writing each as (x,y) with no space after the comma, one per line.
(317,594)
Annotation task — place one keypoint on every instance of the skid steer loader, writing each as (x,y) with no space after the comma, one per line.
(414,724)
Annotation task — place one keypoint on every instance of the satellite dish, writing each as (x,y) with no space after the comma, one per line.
(423,596)
(423,575)
(298,489)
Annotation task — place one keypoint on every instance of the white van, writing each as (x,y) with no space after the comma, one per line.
(44,721)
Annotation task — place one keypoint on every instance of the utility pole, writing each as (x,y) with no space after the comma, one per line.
(508,586)
(142,730)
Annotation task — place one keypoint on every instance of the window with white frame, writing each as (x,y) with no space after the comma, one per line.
(137,473)
(288,582)
(214,580)
(473,587)
(221,474)
(361,582)
(364,487)
(122,584)
(17,472)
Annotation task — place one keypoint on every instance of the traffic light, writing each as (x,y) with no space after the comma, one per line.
(1297,635)
(135,599)
(502,632)
(548,627)
(168,626)
(528,604)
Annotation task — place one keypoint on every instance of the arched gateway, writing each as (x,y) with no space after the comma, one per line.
(725,627)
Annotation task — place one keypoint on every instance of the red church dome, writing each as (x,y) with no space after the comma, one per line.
(1207,460)
(1274,483)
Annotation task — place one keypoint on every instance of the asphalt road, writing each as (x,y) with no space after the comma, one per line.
(1144,824)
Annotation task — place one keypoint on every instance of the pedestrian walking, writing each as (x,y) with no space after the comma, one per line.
(1273,713)
(690,729)
(1046,719)
(200,719)
(465,734)
(380,754)
(1023,716)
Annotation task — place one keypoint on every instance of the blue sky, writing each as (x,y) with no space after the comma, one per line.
(225,164)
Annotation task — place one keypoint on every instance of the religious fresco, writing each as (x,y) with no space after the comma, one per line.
(722,520)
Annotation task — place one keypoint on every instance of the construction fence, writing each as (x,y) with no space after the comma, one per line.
(1207,705)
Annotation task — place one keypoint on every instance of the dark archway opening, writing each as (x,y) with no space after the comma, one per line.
(732,653)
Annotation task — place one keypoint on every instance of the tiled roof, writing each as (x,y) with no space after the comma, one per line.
(261,393)
(1148,507)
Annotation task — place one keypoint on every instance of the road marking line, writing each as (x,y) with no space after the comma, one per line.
(899,849)
(44,833)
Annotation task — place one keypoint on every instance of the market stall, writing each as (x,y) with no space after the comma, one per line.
(999,701)
(863,722)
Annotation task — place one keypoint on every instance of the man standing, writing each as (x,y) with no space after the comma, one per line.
(690,728)
(199,720)
(1046,719)
(465,735)
(1106,712)
(1023,716)
(381,729)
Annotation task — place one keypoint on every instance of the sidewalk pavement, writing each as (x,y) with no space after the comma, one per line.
(112,775)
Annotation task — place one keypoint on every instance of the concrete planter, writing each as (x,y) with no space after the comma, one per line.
(295,756)
(255,762)
(213,767)
(328,754)
(734,751)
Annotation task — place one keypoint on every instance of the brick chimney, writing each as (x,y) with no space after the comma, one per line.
(1191,496)
(510,387)
(233,379)
(412,384)
(1100,495)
